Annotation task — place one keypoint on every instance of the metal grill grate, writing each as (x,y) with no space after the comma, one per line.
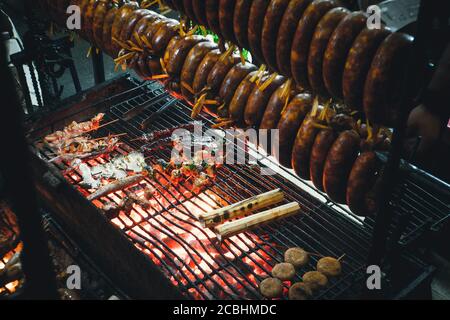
(192,258)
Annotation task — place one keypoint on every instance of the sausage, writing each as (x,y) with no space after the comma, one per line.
(358,63)
(269,33)
(154,65)
(180,51)
(279,99)
(239,101)
(255,25)
(106,31)
(142,66)
(212,15)
(169,50)
(291,119)
(88,24)
(322,144)
(163,36)
(126,32)
(219,72)
(200,11)
(98,21)
(144,22)
(203,70)
(119,20)
(302,38)
(384,79)
(193,59)
(301,151)
(361,181)
(337,50)
(233,79)
(319,43)
(240,22)
(226,12)
(286,34)
(151,31)
(338,165)
(83,9)
(189,10)
(257,102)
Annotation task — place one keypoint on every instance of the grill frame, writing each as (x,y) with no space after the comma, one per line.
(353,224)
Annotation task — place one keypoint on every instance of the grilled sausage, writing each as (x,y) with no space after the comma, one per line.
(180,51)
(319,43)
(119,20)
(304,141)
(233,79)
(255,25)
(162,37)
(154,65)
(88,19)
(107,29)
(361,181)
(189,10)
(98,21)
(191,63)
(239,101)
(83,9)
(212,15)
(143,24)
(384,79)
(269,34)
(302,38)
(286,34)
(338,165)
(257,102)
(226,12)
(219,72)
(170,49)
(291,119)
(358,63)
(200,11)
(142,66)
(128,27)
(337,50)
(279,99)
(322,144)
(240,22)
(203,70)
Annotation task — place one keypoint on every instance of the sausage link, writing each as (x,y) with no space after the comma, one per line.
(358,63)
(291,120)
(212,15)
(361,181)
(203,70)
(170,49)
(338,165)
(240,22)
(304,141)
(200,11)
(88,19)
(232,80)
(286,33)
(126,32)
(269,34)
(257,102)
(322,144)
(107,29)
(154,65)
(384,79)
(193,59)
(226,13)
(180,51)
(189,10)
(119,20)
(255,25)
(302,38)
(218,74)
(152,29)
(98,21)
(83,9)
(163,36)
(318,46)
(239,101)
(337,50)
(143,68)
(275,106)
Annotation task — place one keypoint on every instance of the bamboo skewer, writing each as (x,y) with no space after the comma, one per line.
(232,228)
(240,209)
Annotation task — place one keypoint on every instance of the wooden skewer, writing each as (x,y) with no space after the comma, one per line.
(241,208)
(112,136)
(232,228)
